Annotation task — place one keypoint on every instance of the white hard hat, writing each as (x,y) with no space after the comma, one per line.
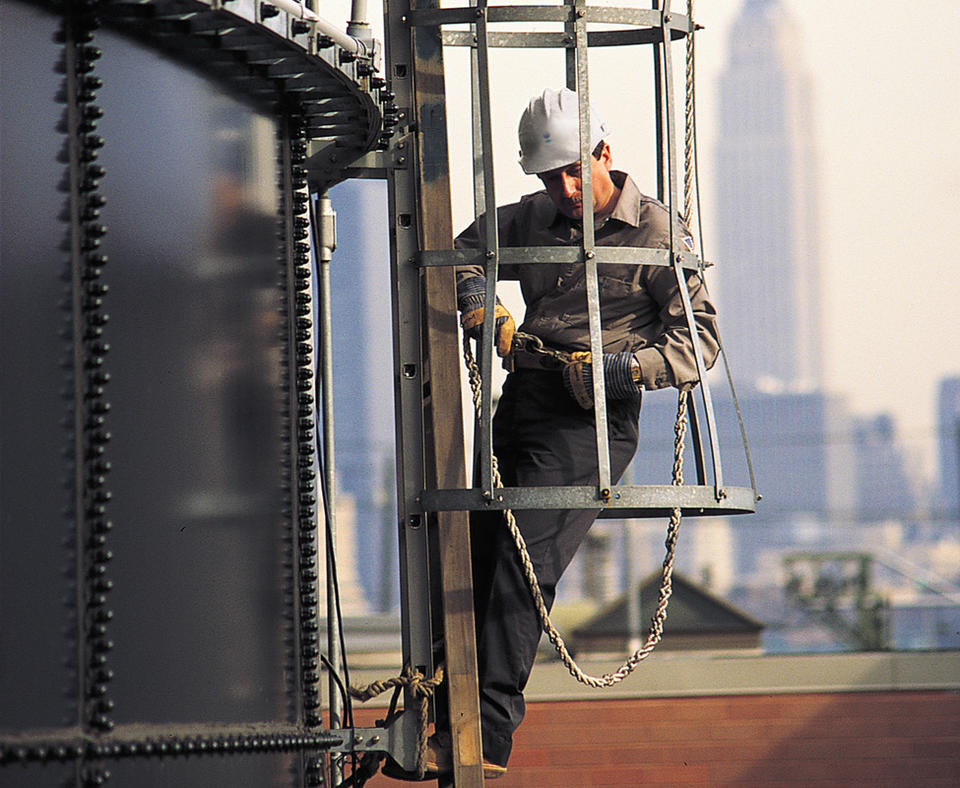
(550,131)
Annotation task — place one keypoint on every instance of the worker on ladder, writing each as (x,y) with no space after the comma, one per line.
(544,432)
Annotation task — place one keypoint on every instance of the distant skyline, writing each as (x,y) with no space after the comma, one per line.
(887,123)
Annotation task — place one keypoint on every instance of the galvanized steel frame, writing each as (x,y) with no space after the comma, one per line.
(410,260)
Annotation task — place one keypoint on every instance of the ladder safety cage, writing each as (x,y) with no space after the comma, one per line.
(656,26)
(434,500)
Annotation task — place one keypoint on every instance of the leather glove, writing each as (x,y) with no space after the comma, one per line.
(621,374)
(471,294)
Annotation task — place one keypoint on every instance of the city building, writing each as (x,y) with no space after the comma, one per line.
(948,432)
(768,231)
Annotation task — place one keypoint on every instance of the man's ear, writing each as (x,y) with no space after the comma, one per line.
(606,158)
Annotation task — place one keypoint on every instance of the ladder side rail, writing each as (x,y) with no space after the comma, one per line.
(413,538)
(443,437)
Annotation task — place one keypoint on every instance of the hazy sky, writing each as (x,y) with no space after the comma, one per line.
(887,125)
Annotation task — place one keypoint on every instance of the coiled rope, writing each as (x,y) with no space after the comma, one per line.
(666,582)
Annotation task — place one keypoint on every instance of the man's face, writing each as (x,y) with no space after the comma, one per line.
(564,186)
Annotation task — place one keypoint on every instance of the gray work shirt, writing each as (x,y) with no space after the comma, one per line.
(640,306)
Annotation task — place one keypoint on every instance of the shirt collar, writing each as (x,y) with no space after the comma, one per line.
(627,209)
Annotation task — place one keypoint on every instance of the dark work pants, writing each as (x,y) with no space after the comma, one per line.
(541,438)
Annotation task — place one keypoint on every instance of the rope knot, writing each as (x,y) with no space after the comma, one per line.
(419,685)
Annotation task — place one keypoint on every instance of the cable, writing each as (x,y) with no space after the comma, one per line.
(334,580)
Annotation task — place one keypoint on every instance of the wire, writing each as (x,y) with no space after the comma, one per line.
(334,579)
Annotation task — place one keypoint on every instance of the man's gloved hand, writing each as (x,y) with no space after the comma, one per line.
(471,294)
(621,374)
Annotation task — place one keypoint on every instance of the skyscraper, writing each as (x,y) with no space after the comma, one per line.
(766,197)
(948,430)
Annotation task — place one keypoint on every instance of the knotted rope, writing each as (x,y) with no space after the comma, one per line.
(421,688)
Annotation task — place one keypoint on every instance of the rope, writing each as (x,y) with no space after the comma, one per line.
(666,583)
(421,688)
(689,126)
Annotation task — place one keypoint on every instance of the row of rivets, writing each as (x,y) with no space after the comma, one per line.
(168,746)
(78,34)
(305,430)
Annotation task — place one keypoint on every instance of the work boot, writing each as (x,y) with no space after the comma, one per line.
(439,762)
(440,759)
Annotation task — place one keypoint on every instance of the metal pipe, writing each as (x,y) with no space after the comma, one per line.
(357,45)
(326,234)
(358,26)
(296,9)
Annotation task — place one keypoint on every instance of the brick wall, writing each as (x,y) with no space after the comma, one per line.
(896,738)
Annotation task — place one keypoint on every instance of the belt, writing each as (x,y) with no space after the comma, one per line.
(529,352)
(527,359)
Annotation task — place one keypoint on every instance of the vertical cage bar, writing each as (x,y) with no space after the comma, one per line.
(674,253)
(589,256)
(657,49)
(570,53)
(476,138)
(492,253)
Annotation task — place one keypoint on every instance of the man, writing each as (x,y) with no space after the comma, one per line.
(544,428)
